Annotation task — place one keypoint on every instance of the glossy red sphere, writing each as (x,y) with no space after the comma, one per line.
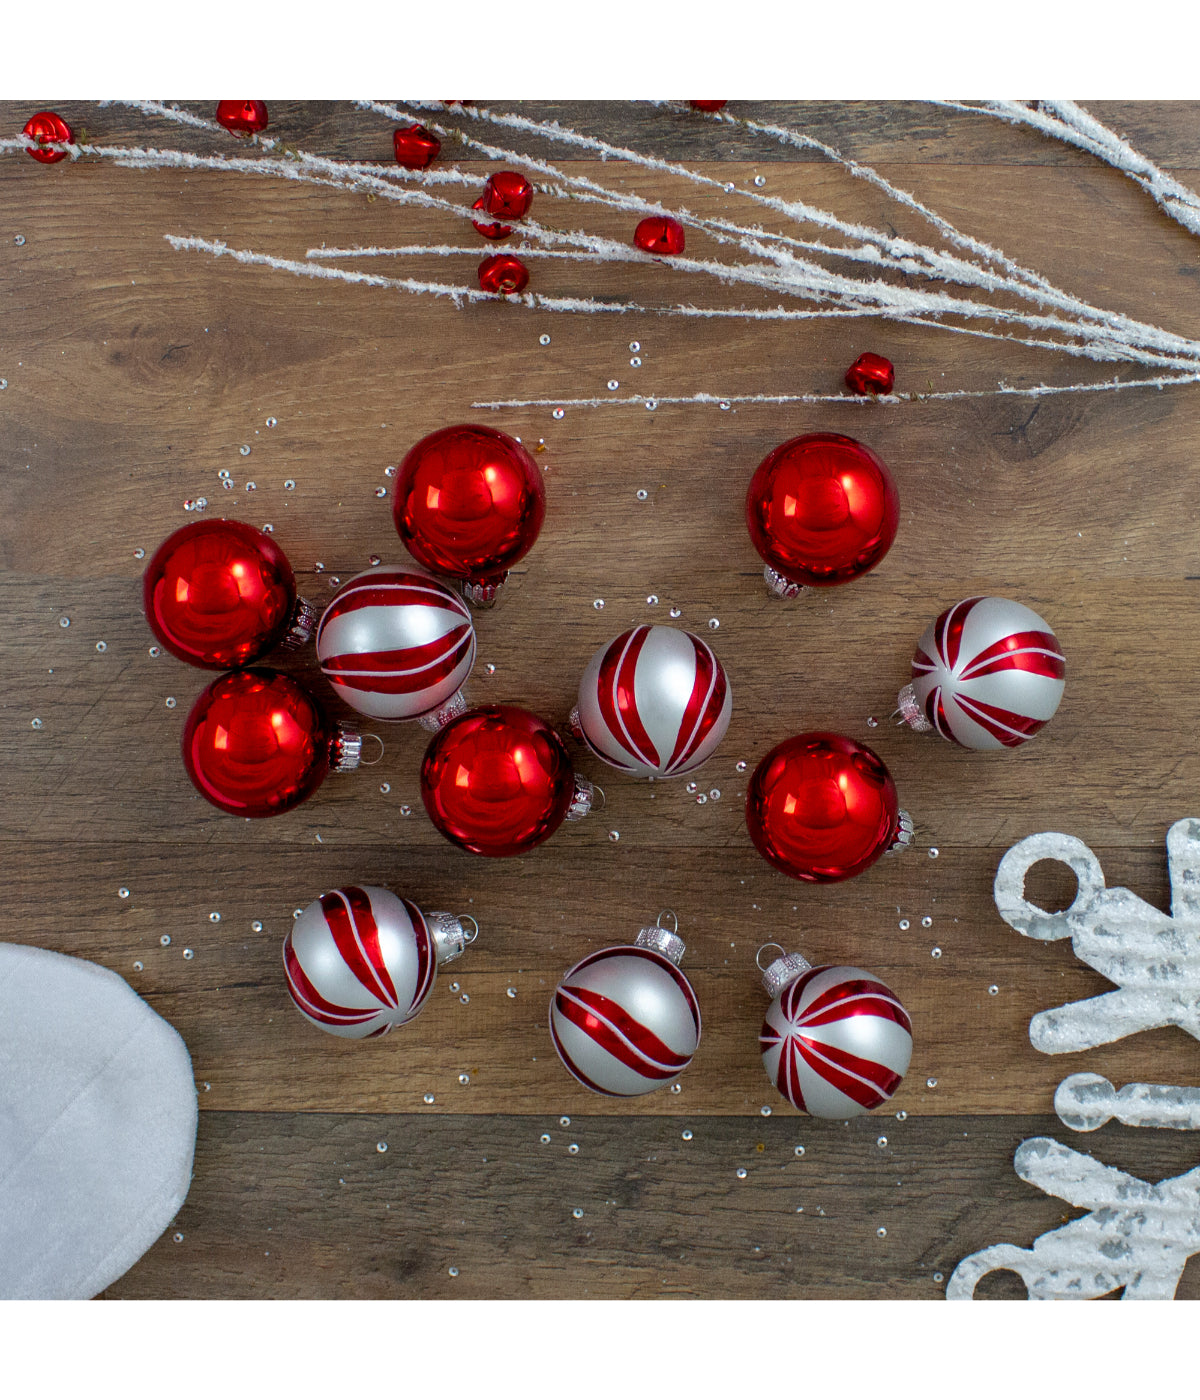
(871,374)
(242,116)
(708,106)
(659,234)
(493,230)
(497,781)
(256,743)
(47,126)
(507,195)
(469,502)
(219,593)
(503,273)
(822,509)
(415,147)
(821,807)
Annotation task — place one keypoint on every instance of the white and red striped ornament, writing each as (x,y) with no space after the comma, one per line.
(360,960)
(986,675)
(654,702)
(625,1020)
(835,1041)
(396,644)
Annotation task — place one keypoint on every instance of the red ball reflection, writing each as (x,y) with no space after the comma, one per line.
(219,593)
(244,116)
(256,743)
(469,502)
(497,781)
(822,509)
(821,807)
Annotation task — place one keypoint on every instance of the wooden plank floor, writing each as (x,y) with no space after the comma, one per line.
(136,373)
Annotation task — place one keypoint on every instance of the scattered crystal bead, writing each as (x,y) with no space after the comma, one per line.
(244,449)
(559,413)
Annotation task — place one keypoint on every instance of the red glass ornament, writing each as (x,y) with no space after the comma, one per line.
(822,509)
(256,743)
(218,593)
(871,374)
(707,106)
(415,146)
(493,230)
(497,781)
(469,502)
(503,273)
(507,195)
(242,116)
(47,126)
(821,807)
(659,234)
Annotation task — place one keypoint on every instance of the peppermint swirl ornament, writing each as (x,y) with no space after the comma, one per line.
(835,1041)
(986,675)
(397,644)
(361,960)
(625,1020)
(654,702)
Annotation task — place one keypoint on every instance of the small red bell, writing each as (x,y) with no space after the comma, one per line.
(503,273)
(43,127)
(659,234)
(507,195)
(707,106)
(415,146)
(494,230)
(871,374)
(247,117)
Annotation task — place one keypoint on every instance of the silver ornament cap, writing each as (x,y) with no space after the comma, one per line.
(904,834)
(780,587)
(345,749)
(481,595)
(581,799)
(662,940)
(778,974)
(301,626)
(438,719)
(449,937)
(910,711)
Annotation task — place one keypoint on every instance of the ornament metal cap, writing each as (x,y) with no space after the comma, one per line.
(776,975)
(663,940)
(574,724)
(449,936)
(438,719)
(779,586)
(904,834)
(910,711)
(301,626)
(581,799)
(481,595)
(345,749)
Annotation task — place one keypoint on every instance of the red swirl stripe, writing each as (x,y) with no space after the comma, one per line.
(867,1082)
(356,937)
(617,695)
(1009,728)
(613,1029)
(378,592)
(426,955)
(922,662)
(405,671)
(311,1002)
(685,987)
(1036,652)
(703,706)
(950,638)
(575,1070)
(851,997)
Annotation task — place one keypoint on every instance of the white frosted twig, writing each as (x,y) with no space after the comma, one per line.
(1039,391)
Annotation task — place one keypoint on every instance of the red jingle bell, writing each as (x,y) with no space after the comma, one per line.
(659,234)
(871,374)
(493,231)
(246,117)
(707,106)
(821,807)
(218,593)
(498,781)
(43,127)
(469,502)
(507,195)
(415,146)
(503,273)
(257,744)
(822,509)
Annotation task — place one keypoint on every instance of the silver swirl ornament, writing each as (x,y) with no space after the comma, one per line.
(625,1020)
(397,644)
(986,675)
(654,702)
(835,1041)
(360,960)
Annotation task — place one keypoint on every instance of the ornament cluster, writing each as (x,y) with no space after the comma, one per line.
(398,643)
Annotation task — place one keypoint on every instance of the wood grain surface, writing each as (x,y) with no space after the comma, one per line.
(135,374)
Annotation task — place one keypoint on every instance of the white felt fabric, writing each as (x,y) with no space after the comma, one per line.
(97,1125)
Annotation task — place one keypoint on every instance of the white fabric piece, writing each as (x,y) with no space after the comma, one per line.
(97,1125)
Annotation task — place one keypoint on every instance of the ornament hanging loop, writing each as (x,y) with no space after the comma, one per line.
(758,962)
(667,914)
(474,934)
(781,971)
(371,762)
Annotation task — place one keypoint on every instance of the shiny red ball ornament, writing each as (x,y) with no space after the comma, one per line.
(503,273)
(822,509)
(415,146)
(871,374)
(821,807)
(507,195)
(218,593)
(469,502)
(247,117)
(256,743)
(659,234)
(43,127)
(707,106)
(495,230)
(498,781)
